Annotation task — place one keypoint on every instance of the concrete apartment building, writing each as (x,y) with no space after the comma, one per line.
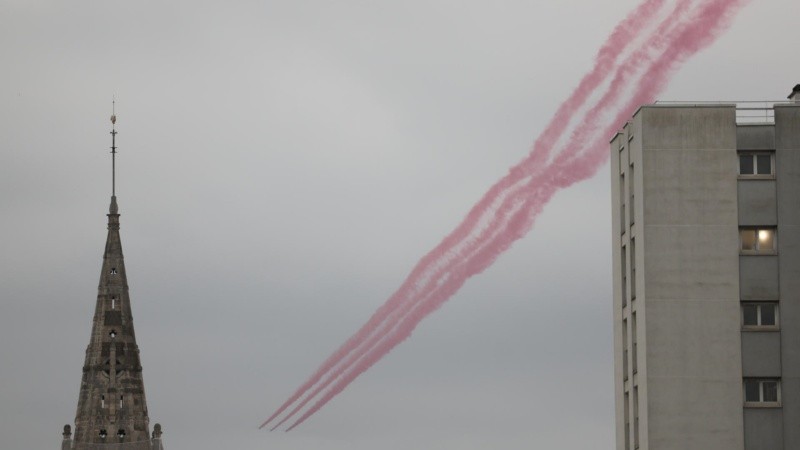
(706,264)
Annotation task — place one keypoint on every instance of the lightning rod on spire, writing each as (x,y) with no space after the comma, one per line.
(113,149)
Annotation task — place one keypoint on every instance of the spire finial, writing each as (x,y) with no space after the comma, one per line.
(113,208)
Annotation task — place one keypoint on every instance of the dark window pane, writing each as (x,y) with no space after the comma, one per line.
(751,393)
(748,238)
(746,165)
(764,164)
(767,314)
(750,314)
(770,391)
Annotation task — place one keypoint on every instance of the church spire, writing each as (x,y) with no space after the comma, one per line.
(112,409)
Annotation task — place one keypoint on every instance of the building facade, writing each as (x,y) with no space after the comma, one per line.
(112,409)
(706,278)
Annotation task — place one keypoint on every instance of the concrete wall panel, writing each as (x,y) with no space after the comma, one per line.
(617,292)
(761,354)
(692,262)
(787,168)
(787,126)
(690,186)
(758,277)
(701,424)
(790,398)
(702,127)
(763,429)
(682,375)
(755,137)
(676,327)
(758,204)
(789,251)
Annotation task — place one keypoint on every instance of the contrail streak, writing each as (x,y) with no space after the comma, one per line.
(619,40)
(682,34)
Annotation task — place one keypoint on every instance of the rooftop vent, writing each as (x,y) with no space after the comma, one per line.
(795,95)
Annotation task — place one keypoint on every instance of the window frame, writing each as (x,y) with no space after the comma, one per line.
(761,403)
(758,251)
(624,270)
(631,196)
(759,326)
(755,175)
(622,204)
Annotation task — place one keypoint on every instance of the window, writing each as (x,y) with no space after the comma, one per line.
(113,302)
(624,349)
(760,315)
(636,417)
(622,203)
(113,271)
(117,367)
(762,392)
(103,433)
(624,266)
(623,160)
(102,401)
(634,344)
(630,187)
(758,240)
(633,269)
(756,164)
(627,422)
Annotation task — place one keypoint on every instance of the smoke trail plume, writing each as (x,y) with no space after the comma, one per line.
(518,198)
(616,44)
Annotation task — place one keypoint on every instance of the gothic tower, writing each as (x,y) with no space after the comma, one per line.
(112,411)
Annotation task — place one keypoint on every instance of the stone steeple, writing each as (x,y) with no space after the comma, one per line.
(112,409)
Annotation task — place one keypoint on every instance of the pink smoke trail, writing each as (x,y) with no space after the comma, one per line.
(701,32)
(511,200)
(615,45)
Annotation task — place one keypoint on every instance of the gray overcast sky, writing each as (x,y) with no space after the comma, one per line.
(282,166)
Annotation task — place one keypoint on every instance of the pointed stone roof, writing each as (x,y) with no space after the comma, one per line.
(112,408)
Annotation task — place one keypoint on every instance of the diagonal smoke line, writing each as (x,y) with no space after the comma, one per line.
(699,33)
(572,166)
(601,146)
(475,241)
(623,34)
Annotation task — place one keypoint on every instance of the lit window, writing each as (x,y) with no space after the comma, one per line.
(762,392)
(760,315)
(758,240)
(756,164)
